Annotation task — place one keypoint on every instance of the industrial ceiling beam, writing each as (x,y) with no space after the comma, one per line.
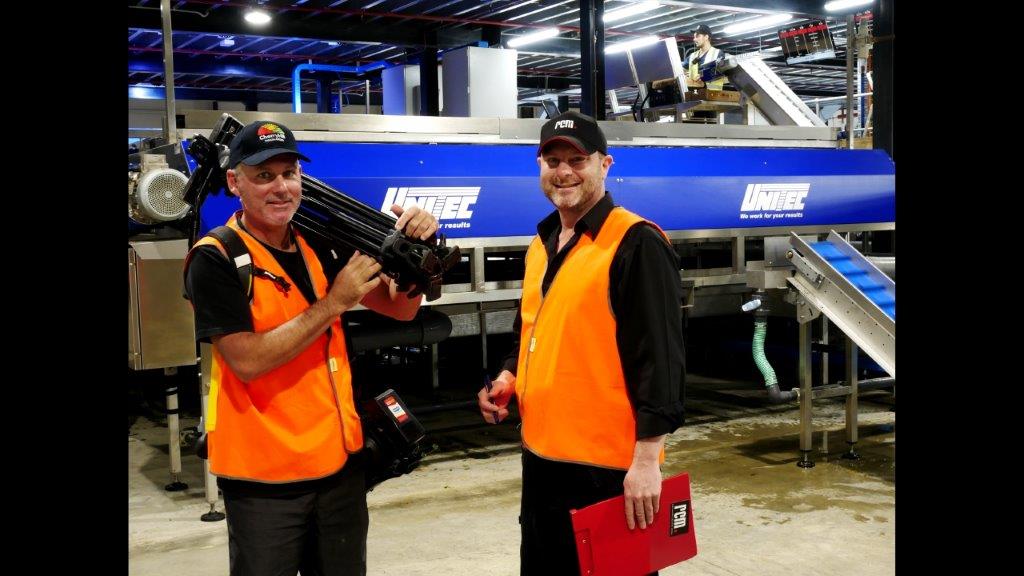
(805,7)
(229,21)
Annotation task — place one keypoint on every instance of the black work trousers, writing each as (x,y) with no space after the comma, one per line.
(318,532)
(550,490)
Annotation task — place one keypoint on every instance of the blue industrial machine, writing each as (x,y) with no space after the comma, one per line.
(488,191)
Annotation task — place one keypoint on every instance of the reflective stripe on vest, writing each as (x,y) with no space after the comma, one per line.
(570,385)
(298,421)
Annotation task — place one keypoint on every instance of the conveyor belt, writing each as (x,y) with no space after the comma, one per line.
(836,279)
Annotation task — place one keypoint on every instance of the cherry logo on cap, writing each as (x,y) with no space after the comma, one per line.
(270,132)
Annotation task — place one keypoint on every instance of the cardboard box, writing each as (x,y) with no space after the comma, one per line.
(712,95)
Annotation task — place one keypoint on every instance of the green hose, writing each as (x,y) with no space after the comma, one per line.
(770,381)
(760,328)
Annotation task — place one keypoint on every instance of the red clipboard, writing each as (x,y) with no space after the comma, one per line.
(606,547)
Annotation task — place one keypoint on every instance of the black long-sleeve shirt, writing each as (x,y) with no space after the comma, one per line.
(646,296)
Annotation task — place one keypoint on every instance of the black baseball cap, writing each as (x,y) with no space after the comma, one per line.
(260,141)
(577,130)
(702,29)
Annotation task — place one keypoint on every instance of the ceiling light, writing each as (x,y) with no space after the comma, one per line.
(839,5)
(257,17)
(534,37)
(630,10)
(635,43)
(146,91)
(757,23)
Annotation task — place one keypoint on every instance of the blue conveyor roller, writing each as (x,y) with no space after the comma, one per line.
(857,276)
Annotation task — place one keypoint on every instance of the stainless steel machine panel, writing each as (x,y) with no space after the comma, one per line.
(161,328)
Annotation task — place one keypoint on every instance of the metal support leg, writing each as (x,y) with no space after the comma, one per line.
(483,334)
(477,277)
(209,480)
(476,269)
(806,440)
(824,353)
(434,382)
(851,400)
(174,447)
(739,255)
(851,40)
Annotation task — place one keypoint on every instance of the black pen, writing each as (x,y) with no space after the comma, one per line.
(488,386)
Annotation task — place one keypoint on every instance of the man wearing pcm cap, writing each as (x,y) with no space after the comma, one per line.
(598,370)
(283,434)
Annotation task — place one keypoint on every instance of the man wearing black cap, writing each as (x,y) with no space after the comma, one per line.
(701,64)
(283,433)
(700,69)
(598,371)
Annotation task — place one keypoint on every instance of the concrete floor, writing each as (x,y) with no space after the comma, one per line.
(755,511)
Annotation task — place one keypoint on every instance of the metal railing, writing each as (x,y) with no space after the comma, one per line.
(817,101)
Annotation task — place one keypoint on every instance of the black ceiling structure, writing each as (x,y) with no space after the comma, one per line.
(218,55)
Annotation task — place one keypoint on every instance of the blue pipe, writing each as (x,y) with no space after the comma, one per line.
(297,72)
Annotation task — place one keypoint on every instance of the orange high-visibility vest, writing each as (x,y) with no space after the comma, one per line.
(569,383)
(298,421)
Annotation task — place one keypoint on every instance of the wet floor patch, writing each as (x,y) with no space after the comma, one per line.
(755,459)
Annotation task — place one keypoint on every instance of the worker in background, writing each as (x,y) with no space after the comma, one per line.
(700,70)
(701,65)
(598,369)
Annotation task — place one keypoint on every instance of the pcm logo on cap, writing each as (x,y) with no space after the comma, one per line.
(565,124)
(680,518)
(444,202)
(774,197)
